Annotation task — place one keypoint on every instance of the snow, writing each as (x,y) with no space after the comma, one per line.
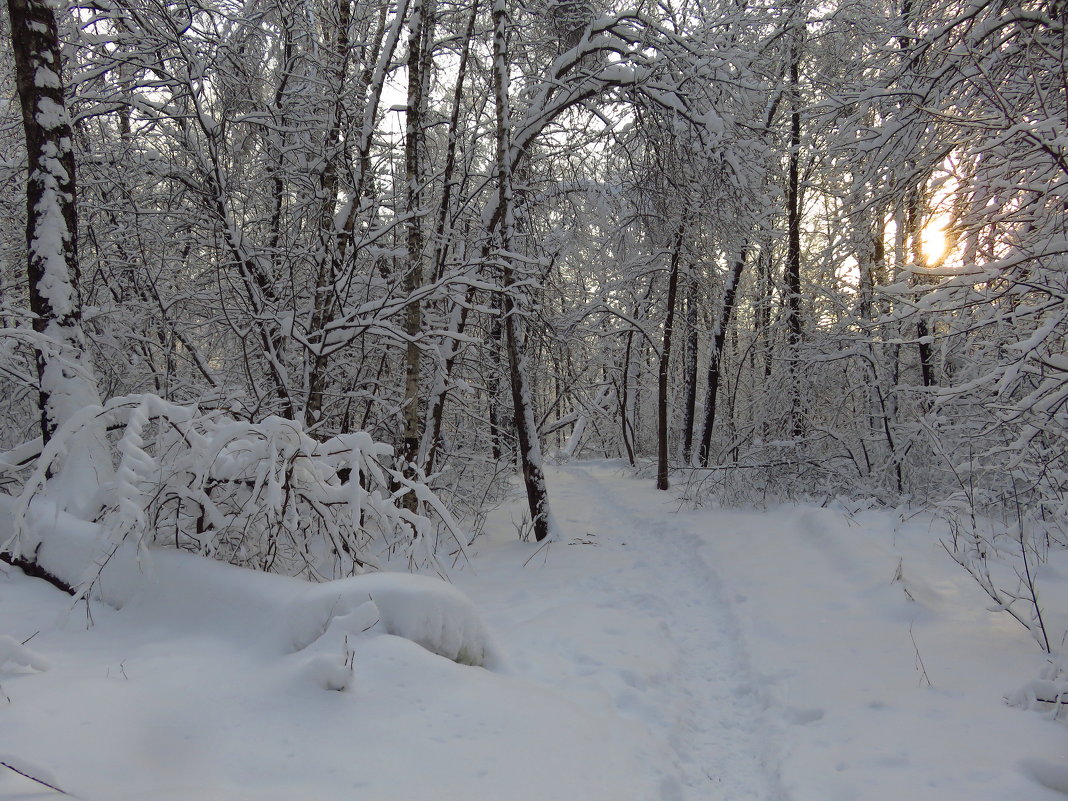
(651,653)
(46,78)
(50,114)
(713,123)
(51,238)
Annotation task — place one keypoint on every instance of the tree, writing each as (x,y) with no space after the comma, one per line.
(67,383)
(526,429)
(507,262)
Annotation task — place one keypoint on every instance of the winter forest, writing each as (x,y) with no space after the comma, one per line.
(320,288)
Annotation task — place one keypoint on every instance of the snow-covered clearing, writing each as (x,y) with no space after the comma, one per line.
(797,654)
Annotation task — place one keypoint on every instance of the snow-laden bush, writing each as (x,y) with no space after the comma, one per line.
(263,495)
(423,609)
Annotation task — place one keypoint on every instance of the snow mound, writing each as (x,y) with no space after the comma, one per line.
(187,587)
(425,610)
(1038,693)
(14,652)
(1046,773)
(328,672)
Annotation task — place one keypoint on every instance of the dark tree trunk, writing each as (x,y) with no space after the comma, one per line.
(625,400)
(914,236)
(525,425)
(665,365)
(324,302)
(413,277)
(436,403)
(793,238)
(498,422)
(913,218)
(923,344)
(690,402)
(715,358)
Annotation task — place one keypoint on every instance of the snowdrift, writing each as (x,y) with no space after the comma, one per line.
(195,591)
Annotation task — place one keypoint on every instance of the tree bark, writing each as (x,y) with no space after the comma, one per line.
(913,217)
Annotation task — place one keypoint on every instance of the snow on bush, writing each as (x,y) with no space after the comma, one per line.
(264,495)
(425,610)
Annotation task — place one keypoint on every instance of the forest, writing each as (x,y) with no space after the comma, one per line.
(527,399)
(306,287)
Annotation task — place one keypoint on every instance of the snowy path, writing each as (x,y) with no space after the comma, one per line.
(793,654)
(717,727)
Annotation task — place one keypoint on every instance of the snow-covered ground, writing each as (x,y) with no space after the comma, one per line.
(795,654)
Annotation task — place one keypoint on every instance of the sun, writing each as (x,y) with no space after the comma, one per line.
(934,242)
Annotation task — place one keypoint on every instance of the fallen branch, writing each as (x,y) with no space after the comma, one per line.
(36,571)
(1053,701)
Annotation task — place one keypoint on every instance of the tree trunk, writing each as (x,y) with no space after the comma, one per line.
(458,316)
(67,382)
(626,404)
(914,233)
(665,364)
(526,428)
(414,274)
(715,358)
(913,217)
(498,422)
(324,300)
(690,406)
(793,238)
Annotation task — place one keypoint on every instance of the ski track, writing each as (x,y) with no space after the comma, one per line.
(716,718)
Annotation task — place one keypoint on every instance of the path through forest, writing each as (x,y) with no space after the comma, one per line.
(824,654)
(725,746)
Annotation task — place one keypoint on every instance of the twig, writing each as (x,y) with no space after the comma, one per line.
(919,660)
(544,547)
(1029,577)
(41,782)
